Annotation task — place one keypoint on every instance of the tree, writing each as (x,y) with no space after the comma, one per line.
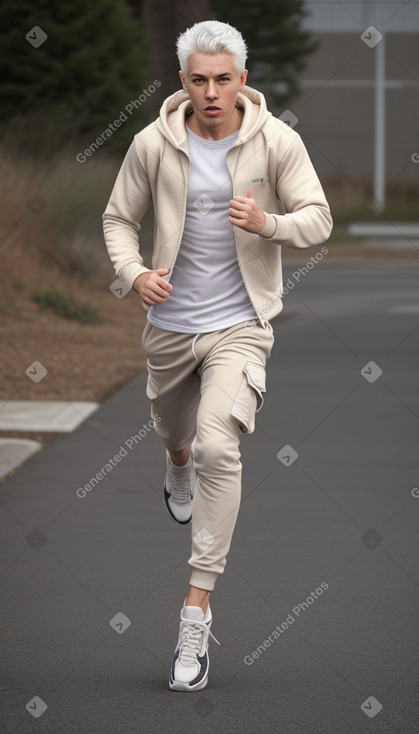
(89,67)
(278,47)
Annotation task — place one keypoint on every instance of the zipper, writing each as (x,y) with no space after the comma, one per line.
(185,198)
(237,254)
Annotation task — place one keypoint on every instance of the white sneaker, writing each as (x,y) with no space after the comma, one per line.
(191,662)
(179,489)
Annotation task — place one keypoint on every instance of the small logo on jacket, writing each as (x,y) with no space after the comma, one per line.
(260,180)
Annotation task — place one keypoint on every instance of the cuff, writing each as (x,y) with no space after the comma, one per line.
(203,579)
(131,271)
(270,226)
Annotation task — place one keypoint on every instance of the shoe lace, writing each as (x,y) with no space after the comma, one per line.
(192,633)
(180,487)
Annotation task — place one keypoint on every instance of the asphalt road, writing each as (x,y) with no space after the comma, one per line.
(317,612)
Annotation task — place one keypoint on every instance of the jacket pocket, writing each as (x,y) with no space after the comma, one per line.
(250,397)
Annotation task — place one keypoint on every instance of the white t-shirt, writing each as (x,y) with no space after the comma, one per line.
(208,289)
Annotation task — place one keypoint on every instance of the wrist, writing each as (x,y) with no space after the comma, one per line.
(137,281)
(269,227)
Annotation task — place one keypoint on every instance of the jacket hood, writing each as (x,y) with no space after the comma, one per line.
(175,109)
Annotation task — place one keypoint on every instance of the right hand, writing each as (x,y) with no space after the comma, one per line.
(152,288)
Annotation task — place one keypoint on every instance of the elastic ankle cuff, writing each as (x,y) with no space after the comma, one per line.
(203,579)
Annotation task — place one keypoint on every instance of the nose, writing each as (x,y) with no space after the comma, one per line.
(211,92)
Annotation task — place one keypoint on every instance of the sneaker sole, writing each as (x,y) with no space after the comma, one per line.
(185,687)
(166,498)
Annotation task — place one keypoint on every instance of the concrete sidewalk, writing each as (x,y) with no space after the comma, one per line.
(53,416)
(316,612)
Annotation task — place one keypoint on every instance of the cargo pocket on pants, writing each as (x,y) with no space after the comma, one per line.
(152,392)
(249,399)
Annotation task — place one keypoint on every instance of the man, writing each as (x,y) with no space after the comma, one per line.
(229,184)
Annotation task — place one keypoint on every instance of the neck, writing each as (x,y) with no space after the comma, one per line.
(230,126)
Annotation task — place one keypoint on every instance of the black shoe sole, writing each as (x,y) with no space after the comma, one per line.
(166,497)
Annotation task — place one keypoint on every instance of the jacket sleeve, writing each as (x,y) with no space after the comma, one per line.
(129,200)
(307,220)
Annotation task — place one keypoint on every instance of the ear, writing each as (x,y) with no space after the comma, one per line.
(183,81)
(243,79)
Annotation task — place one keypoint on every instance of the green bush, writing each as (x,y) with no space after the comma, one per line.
(63,305)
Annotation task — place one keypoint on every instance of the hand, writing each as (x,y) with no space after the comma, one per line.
(245,213)
(152,288)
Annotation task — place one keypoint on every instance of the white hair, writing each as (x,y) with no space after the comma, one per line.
(212,37)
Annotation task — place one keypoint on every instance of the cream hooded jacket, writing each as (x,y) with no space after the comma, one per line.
(268,156)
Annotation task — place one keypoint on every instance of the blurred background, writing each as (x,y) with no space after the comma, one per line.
(78,81)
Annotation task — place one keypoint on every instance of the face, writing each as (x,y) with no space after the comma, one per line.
(213,84)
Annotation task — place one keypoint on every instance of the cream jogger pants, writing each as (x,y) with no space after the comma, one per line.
(208,385)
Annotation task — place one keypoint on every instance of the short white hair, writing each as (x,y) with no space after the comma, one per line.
(212,37)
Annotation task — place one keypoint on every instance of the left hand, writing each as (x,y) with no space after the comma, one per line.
(245,213)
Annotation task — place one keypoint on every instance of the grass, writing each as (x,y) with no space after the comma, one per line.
(395,211)
(68,229)
(68,226)
(64,305)
(353,202)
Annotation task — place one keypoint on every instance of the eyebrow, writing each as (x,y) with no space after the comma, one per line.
(202,76)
